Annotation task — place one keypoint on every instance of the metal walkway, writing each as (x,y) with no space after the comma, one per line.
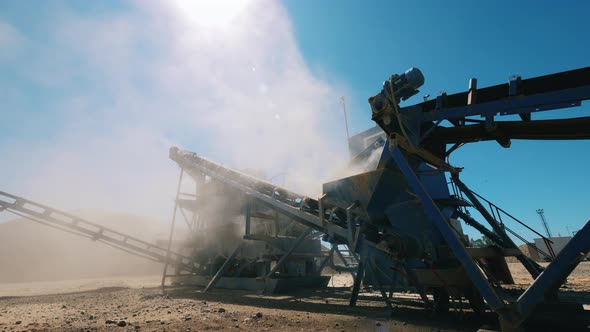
(69,223)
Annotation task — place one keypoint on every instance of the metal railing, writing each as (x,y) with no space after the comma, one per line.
(497,213)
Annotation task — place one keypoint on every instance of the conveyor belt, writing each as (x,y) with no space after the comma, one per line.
(64,221)
(302,209)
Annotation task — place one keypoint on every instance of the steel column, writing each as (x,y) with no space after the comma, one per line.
(441,224)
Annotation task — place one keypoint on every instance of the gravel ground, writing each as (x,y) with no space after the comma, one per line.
(138,304)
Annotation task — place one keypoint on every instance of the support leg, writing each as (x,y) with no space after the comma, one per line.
(360,271)
(222,269)
(289,252)
(165,272)
(379,282)
(439,221)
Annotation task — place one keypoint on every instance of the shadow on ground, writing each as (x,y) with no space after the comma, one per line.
(336,301)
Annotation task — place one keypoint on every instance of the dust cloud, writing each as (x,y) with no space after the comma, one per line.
(99,99)
(33,252)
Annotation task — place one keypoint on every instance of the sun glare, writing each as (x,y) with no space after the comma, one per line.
(211,13)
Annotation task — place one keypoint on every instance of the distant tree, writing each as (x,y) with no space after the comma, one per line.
(482,242)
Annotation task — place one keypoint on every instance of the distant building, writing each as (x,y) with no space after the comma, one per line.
(557,245)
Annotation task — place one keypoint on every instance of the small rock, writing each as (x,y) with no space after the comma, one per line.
(18,322)
(377,324)
(63,306)
(221,310)
(258,315)
(137,327)
(122,323)
(108,321)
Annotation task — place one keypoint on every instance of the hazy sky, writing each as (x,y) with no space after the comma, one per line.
(94,93)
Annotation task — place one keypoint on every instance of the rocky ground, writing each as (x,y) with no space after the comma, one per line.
(579,280)
(142,306)
(138,304)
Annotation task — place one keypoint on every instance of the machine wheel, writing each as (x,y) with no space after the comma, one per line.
(441,301)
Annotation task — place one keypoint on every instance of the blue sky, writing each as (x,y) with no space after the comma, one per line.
(95,92)
(361,43)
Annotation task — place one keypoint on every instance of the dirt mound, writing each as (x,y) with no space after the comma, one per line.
(31,251)
(525,250)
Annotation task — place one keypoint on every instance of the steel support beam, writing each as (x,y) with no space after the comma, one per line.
(473,223)
(555,274)
(223,268)
(440,222)
(289,252)
(172,225)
